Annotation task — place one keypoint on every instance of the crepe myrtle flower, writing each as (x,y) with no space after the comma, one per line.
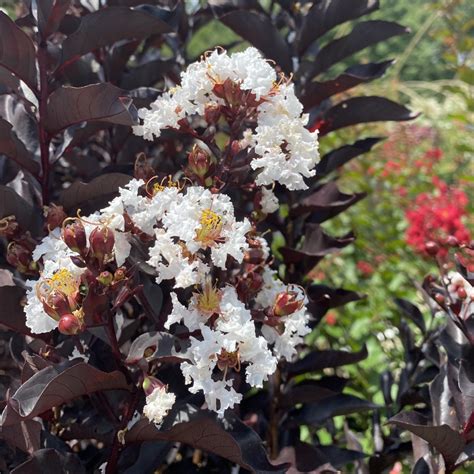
(241,87)
(158,400)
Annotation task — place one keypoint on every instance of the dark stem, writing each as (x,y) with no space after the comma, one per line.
(275,383)
(113,340)
(44,137)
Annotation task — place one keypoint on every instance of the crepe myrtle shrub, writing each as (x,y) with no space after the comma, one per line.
(433,394)
(159,215)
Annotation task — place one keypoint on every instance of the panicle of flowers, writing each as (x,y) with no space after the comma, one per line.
(262,111)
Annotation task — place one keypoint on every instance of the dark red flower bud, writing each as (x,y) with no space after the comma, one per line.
(199,162)
(57,304)
(120,274)
(19,256)
(440,299)
(212,114)
(287,302)
(102,242)
(142,168)
(431,248)
(70,324)
(105,278)
(74,236)
(9,227)
(54,216)
(462,294)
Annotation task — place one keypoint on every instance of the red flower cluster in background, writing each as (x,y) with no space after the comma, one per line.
(438,217)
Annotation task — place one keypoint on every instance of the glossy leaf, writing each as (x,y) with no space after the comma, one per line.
(97,102)
(411,312)
(55,385)
(48,14)
(11,310)
(50,461)
(258,30)
(17,52)
(109,25)
(315,92)
(447,441)
(326,202)
(319,360)
(103,187)
(326,14)
(364,34)
(162,345)
(229,438)
(12,147)
(362,110)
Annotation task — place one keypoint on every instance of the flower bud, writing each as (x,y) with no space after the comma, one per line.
(9,227)
(105,278)
(440,299)
(462,294)
(287,302)
(102,242)
(212,114)
(142,168)
(452,241)
(120,274)
(431,248)
(71,324)
(57,304)
(74,236)
(150,384)
(199,162)
(19,256)
(54,215)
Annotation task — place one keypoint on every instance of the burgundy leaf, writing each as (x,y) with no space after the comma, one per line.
(319,360)
(411,312)
(55,385)
(8,82)
(305,459)
(50,461)
(17,52)
(228,438)
(11,310)
(316,245)
(325,203)
(258,29)
(103,187)
(466,378)
(162,345)
(340,156)
(109,25)
(97,102)
(326,14)
(48,14)
(361,110)
(363,35)
(447,441)
(306,392)
(11,146)
(318,413)
(315,92)
(442,401)
(148,74)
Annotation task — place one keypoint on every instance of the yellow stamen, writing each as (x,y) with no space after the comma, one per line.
(64,281)
(211,227)
(208,300)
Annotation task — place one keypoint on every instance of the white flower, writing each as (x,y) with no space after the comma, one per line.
(158,404)
(269,201)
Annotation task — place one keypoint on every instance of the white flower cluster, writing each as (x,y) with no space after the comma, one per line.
(194,232)
(286,150)
(457,285)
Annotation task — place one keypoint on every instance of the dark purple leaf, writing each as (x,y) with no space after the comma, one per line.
(162,344)
(447,441)
(8,82)
(322,298)
(411,312)
(50,461)
(228,438)
(325,203)
(362,110)
(305,392)
(11,204)
(12,147)
(421,467)
(466,378)
(442,401)
(339,457)
(315,92)
(319,360)
(258,29)
(48,14)
(98,102)
(316,245)
(466,455)
(103,187)
(55,385)
(17,52)
(341,156)
(363,35)
(340,404)
(109,25)
(148,74)
(326,14)
(305,459)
